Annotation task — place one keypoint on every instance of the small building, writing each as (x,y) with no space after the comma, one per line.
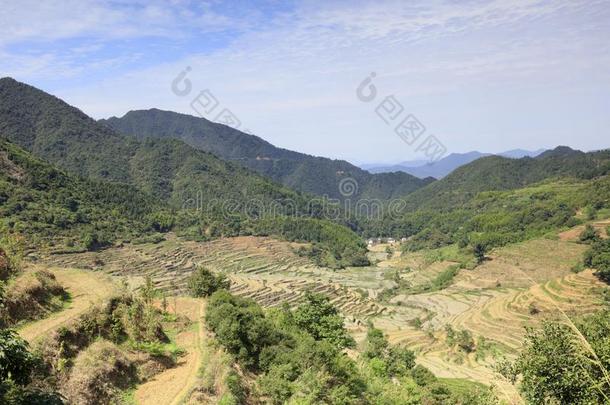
(391,240)
(403,240)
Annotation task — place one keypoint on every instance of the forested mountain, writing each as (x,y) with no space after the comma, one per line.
(494,200)
(494,173)
(47,205)
(221,198)
(168,168)
(298,171)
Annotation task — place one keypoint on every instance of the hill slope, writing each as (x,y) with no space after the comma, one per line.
(495,173)
(223,199)
(48,205)
(298,171)
(170,169)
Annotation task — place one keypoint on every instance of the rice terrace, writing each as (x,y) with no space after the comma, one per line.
(304,202)
(519,286)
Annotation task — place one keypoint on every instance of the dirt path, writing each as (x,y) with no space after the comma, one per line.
(574,233)
(86,288)
(173,385)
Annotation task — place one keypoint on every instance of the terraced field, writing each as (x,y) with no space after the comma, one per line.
(260,268)
(518,286)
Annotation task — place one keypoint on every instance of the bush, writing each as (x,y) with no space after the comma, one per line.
(478,250)
(465,341)
(422,376)
(204,283)
(556,367)
(240,326)
(598,257)
(31,296)
(16,361)
(589,234)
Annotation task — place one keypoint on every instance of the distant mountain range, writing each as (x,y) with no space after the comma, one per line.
(441,168)
(298,171)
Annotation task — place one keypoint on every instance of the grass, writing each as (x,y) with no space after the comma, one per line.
(128,396)
(450,253)
(461,385)
(443,280)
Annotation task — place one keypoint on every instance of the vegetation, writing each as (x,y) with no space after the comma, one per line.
(564,364)
(117,187)
(298,171)
(493,218)
(296,355)
(30,297)
(589,234)
(598,257)
(204,283)
(320,319)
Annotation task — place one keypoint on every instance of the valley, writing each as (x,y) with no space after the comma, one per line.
(518,286)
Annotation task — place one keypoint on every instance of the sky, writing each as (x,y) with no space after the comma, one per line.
(475,75)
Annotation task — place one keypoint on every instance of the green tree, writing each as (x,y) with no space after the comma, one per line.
(479,250)
(589,234)
(241,327)
(322,320)
(598,258)
(15,360)
(148,291)
(204,283)
(376,344)
(557,367)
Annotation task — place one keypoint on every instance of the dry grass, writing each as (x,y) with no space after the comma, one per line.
(99,375)
(174,384)
(31,296)
(86,289)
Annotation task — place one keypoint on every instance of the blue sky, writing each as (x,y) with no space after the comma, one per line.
(488,76)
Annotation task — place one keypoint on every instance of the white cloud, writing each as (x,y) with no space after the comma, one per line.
(291,76)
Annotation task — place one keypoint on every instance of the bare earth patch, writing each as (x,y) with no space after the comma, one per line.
(173,385)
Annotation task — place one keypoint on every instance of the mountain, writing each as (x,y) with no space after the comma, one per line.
(495,200)
(494,173)
(446,165)
(166,168)
(48,205)
(311,174)
(226,198)
(519,153)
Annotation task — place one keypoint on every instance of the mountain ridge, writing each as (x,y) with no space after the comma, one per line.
(446,165)
(299,171)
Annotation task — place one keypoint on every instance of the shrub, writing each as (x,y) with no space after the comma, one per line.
(204,283)
(598,257)
(556,367)
(240,326)
(589,234)
(16,361)
(422,376)
(32,296)
(478,250)
(465,341)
